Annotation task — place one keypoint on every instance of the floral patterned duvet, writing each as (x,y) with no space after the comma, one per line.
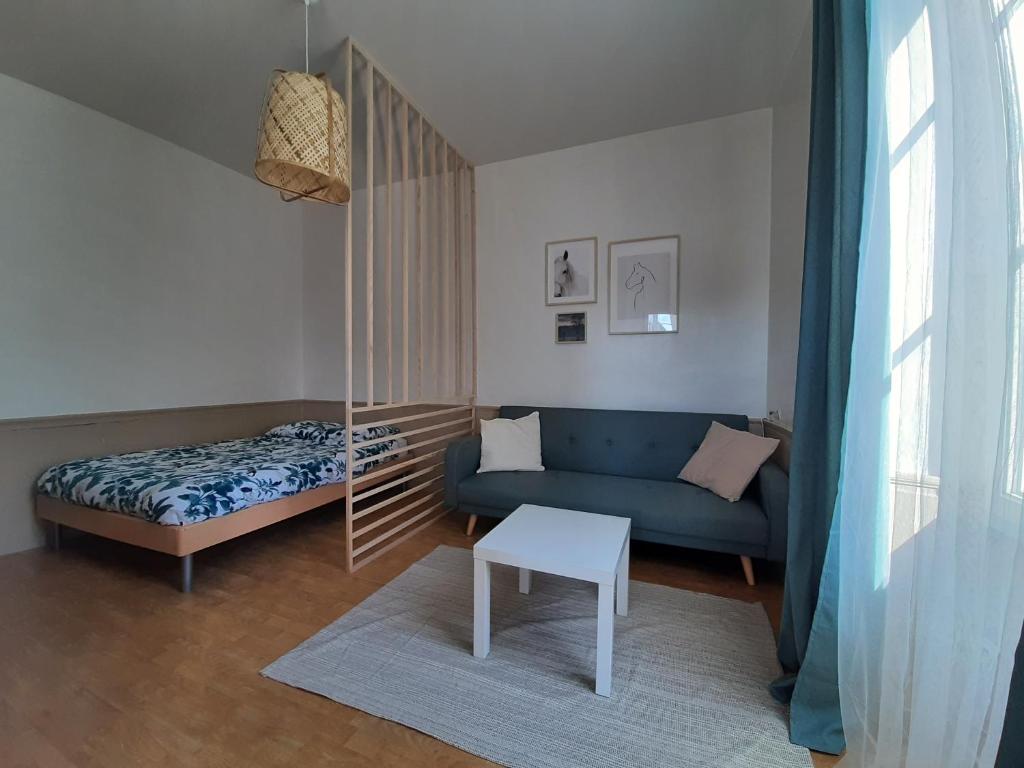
(189,484)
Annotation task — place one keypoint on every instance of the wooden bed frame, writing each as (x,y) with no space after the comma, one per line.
(183,541)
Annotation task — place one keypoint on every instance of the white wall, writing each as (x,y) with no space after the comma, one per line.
(323,324)
(138,275)
(324,301)
(323,305)
(710,183)
(790,146)
(135,274)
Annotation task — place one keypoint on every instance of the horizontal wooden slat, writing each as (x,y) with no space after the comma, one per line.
(405,537)
(392,406)
(397,497)
(414,417)
(393,467)
(410,447)
(397,529)
(404,479)
(419,431)
(392,515)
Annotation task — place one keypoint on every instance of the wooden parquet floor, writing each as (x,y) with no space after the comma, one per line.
(103,663)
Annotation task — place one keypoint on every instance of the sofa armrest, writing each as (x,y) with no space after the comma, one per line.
(773,488)
(461,460)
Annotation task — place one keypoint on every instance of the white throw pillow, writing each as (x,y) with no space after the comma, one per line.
(511,445)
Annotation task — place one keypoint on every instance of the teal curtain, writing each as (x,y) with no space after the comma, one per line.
(835,195)
(1011,746)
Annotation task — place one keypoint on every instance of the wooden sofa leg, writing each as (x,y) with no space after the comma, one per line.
(471,525)
(748,570)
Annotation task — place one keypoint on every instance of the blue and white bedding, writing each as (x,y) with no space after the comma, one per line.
(328,432)
(189,484)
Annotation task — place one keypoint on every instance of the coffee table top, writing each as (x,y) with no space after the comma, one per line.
(580,545)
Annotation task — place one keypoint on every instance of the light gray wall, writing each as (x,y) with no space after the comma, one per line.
(710,183)
(790,146)
(324,299)
(135,274)
(323,316)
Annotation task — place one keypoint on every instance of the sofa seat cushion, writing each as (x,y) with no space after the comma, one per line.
(670,507)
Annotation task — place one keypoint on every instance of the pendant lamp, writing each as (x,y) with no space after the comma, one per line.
(302,149)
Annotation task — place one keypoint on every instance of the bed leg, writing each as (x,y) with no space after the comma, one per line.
(186,574)
(55,535)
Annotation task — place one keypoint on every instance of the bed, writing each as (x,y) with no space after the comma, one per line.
(183,499)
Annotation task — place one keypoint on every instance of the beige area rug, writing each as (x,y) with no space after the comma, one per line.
(689,686)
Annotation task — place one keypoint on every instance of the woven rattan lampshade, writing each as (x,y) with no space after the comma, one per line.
(303,140)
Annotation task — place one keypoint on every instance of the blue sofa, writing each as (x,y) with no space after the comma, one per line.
(625,463)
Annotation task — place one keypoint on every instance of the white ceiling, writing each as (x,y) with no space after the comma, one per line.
(502,78)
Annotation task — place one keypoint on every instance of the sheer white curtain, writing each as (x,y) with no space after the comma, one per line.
(929,514)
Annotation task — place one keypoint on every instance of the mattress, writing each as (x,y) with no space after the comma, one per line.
(193,483)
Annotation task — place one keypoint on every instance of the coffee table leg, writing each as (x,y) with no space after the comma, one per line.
(605,635)
(622,582)
(481,608)
(524,580)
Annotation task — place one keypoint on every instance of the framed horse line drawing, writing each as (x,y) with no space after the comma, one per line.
(570,276)
(643,285)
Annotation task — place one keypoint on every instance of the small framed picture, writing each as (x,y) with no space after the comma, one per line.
(643,285)
(570,275)
(570,328)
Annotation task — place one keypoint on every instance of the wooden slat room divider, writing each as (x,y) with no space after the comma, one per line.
(427,379)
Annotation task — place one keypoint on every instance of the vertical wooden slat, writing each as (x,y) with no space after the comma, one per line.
(472,263)
(348,313)
(445,270)
(466,288)
(369,233)
(421,229)
(435,275)
(387,251)
(405,251)
(459,228)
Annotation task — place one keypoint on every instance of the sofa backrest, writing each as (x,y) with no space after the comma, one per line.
(653,445)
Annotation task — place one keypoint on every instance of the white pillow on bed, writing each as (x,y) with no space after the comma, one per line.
(511,445)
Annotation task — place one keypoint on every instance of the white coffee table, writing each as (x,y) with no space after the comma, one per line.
(562,542)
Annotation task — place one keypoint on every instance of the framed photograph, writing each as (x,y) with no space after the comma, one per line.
(570,276)
(571,328)
(643,285)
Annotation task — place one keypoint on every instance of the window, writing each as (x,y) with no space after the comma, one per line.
(916,337)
